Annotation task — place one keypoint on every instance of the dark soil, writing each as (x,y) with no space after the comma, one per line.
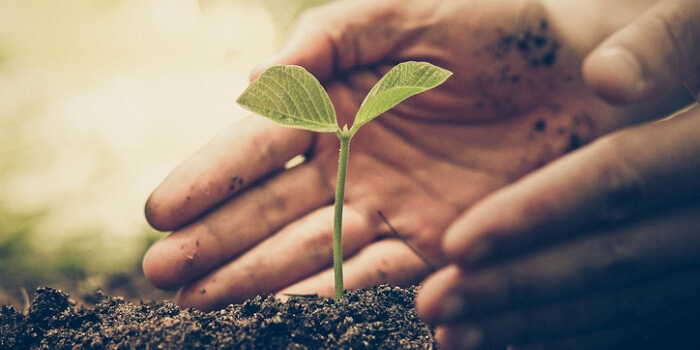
(379,318)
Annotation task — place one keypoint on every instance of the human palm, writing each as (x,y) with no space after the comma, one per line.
(244,225)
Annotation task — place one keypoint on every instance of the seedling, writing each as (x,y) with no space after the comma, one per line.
(291,96)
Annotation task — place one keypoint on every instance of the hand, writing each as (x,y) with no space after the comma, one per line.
(244,225)
(597,248)
(649,57)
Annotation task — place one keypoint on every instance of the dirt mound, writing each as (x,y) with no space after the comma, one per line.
(379,318)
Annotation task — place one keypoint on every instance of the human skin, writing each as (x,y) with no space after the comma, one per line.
(510,108)
(600,246)
(596,248)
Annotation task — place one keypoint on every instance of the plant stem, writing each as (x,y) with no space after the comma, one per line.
(338,215)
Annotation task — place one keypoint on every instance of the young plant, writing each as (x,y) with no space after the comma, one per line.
(291,96)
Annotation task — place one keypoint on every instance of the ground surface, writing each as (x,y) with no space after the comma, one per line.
(380,318)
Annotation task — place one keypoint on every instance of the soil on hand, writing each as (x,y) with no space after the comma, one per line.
(379,318)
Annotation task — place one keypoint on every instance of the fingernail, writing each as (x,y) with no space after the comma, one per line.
(465,253)
(478,252)
(472,338)
(624,66)
(451,308)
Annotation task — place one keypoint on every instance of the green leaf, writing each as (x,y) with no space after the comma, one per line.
(401,82)
(291,96)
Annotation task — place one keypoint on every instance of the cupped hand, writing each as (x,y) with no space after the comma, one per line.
(244,224)
(601,246)
(597,248)
(650,56)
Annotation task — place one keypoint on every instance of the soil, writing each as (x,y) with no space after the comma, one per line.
(382,317)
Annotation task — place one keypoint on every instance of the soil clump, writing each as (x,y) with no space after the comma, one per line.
(382,317)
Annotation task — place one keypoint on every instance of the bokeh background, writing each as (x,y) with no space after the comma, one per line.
(99,100)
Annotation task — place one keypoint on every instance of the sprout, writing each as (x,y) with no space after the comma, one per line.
(291,96)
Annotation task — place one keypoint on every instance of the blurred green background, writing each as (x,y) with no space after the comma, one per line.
(99,100)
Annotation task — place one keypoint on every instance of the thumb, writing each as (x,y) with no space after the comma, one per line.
(339,36)
(650,56)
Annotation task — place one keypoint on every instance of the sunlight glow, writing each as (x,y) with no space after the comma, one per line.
(100,99)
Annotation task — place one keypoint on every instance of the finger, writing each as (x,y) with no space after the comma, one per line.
(635,336)
(609,309)
(388,261)
(335,37)
(650,56)
(295,252)
(601,260)
(235,158)
(614,178)
(234,227)
(606,337)
(601,340)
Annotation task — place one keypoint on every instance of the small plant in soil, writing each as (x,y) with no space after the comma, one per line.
(291,96)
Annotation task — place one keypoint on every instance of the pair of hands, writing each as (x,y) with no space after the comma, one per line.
(592,248)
